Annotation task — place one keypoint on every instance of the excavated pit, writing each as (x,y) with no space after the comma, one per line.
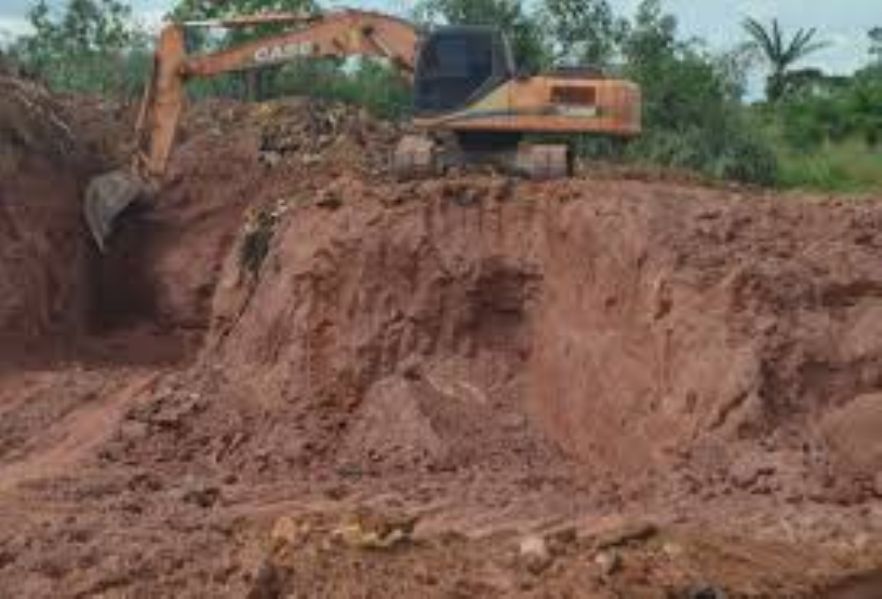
(60,299)
(489,353)
(641,328)
(123,291)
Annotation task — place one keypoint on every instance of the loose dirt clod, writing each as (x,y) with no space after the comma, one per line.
(534,554)
(608,562)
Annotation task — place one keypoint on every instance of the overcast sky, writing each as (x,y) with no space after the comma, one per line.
(843,23)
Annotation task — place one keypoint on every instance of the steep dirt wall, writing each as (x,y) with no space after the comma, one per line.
(43,254)
(670,320)
(639,326)
(39,218)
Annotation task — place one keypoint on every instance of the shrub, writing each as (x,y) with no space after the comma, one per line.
(368,83)
(692,116)
(92,46)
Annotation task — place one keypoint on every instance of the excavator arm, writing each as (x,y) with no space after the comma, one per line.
(342,33)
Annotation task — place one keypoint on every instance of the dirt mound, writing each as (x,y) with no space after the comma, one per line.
(219,173)
(641,327)
(492,357)
(651,332)
(338,137)
(57,294)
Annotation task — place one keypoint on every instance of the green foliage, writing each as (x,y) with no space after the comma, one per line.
(652,39)
(583,32)
(91,46)
(831,115)
(824,130)
(780,54)
(875,35)
(692,117)
(845,166)
(373,85)
(211,9)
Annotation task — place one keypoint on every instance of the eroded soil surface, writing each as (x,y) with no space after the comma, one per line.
(294,376)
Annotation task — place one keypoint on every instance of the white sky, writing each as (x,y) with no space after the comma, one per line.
(843,23)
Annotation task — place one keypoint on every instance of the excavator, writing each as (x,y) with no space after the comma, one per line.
(471,104)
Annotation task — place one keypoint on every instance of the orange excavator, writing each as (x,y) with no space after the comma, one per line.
(470,101)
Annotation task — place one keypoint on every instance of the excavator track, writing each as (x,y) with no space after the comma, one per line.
(543,162)
(423,156)
(415,156)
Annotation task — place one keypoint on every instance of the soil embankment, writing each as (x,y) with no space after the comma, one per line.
(295,374)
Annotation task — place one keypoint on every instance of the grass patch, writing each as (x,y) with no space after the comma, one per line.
(847,167)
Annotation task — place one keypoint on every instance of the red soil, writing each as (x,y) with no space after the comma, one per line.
(489,357)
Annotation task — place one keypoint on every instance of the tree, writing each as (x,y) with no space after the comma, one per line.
(583,31)
(876,45)
(653,36)
(692,117)
(780,54)
(91,46)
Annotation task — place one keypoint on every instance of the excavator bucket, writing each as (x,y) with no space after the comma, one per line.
(107,196)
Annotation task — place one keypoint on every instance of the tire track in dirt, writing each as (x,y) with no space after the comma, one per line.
(76,436)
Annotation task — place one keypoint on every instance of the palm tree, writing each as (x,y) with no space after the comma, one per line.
(780,54)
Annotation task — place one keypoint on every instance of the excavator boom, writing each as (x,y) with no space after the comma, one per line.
(465,83)
(340,33)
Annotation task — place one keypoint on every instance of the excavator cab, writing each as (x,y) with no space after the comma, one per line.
(459,65)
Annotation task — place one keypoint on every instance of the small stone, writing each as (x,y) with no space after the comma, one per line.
(270,159)
(375,531)
(534,554)
(638,531)
(285,531)
(609,562)
(672,550)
